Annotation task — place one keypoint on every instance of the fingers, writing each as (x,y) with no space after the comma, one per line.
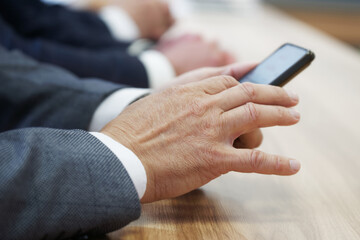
(249,140)
(237,70)
(256,93)
(168,42)
(253,161)
(215,85)
(219,56)
(229,59)
(233,70)
(223,58)
(251,116)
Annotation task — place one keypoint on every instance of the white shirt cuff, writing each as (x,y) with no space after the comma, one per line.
(120,24)
(158,68)
(113,105)
(129,160)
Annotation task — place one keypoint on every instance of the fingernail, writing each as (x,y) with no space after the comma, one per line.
(292,95)
(294,113)
(295,165)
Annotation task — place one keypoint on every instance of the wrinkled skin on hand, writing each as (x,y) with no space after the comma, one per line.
(185,134)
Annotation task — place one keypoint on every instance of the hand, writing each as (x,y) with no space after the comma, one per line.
(152,17)
(236,70)
(190,52)
(184,135)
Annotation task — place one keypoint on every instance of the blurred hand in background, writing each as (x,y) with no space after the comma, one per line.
(152,17)
(190,52)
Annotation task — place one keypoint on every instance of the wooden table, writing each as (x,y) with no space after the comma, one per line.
(340,18)
(323,200)
(342,25)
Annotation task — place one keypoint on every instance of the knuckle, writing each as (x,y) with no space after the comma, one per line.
(281,113)
(198,107)
(249,90)
(212,153)
(258,142)
(214,159)
(228,81)
(277,163)
(252,112)
(208,125)
(256,159)
(211,122)
(223,121)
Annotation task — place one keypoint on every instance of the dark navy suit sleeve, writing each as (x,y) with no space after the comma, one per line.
(32,18)
(39,95)
(59,184)
(110,64)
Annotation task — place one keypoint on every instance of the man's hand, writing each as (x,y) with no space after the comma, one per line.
(191,52)
(236,70)
(184,135)
(152,17)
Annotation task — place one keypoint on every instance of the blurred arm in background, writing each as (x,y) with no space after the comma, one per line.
(86,32)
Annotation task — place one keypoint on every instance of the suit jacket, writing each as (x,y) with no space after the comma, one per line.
(35,19)
(56,184)
(114,65)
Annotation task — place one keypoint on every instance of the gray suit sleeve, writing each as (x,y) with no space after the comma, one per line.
(40,95)
(57,184)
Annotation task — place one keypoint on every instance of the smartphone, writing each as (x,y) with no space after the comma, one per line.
(281,66)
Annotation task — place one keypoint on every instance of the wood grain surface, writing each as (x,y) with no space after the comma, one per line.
(342,25)
(320,202)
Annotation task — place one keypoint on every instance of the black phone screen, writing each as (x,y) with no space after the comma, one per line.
(273,67)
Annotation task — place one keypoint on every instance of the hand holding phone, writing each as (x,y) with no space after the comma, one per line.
(281,66)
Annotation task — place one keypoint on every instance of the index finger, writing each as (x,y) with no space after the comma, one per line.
(216,85)
(256,93)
